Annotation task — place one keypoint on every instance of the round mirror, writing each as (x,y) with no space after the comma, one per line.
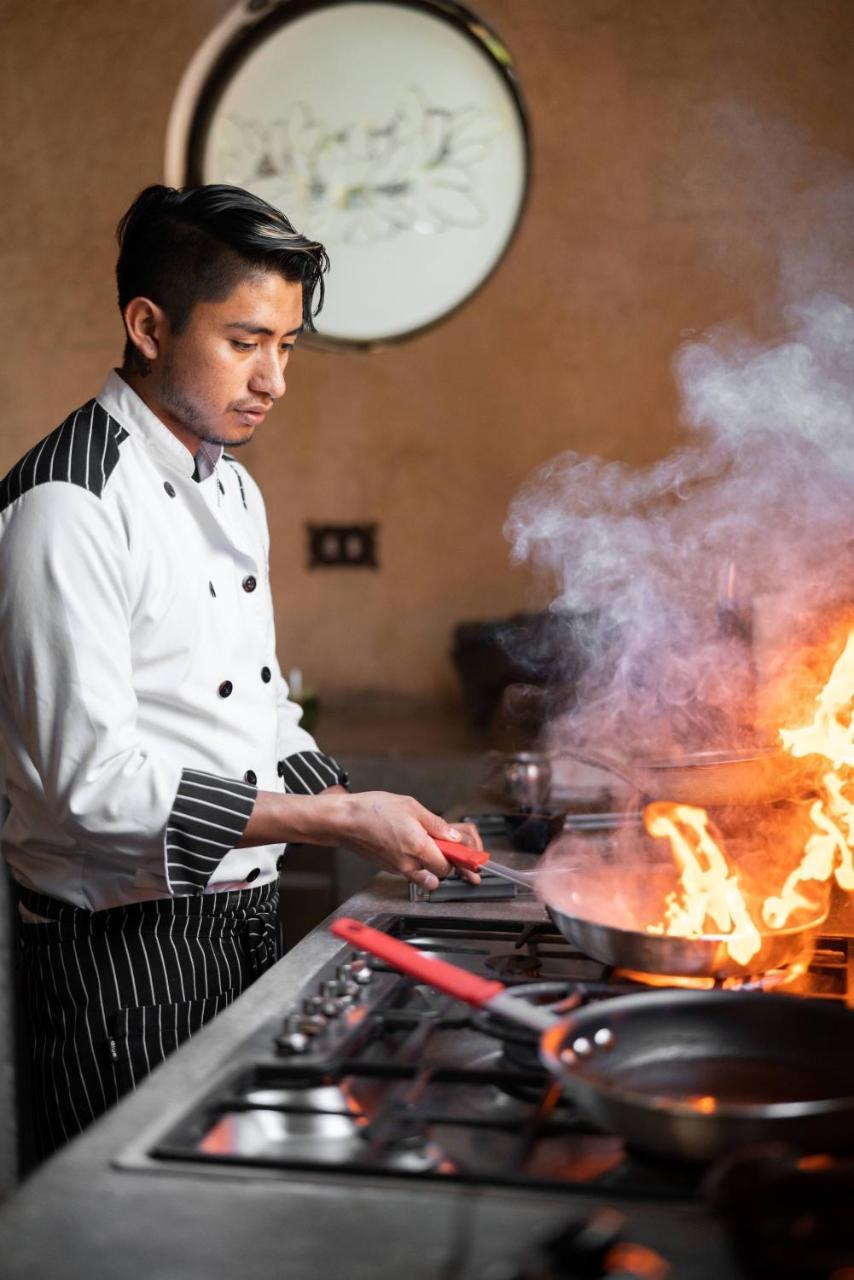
(394,132)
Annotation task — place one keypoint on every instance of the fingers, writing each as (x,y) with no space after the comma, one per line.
(427,853)
(397,833)
(464,832)
(436,826)
(429,881)
(469,834)
(432,858)
(425,879)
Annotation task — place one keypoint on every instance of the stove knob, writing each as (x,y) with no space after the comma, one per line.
(314,1023)
(310,1020)
(346,982)
(292,1044)
(362,971)
(293,1038)
(331,1002)
(332,989)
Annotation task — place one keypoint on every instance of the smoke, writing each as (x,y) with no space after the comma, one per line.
(700,582)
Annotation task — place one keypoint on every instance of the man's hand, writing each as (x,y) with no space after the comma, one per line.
(393,832)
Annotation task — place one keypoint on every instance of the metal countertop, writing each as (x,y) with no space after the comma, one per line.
(78,1216)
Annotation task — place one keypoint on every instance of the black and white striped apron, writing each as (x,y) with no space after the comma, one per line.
(108,995)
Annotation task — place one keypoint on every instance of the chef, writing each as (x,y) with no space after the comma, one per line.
(154,764)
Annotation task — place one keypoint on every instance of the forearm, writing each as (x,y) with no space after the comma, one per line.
(396,833)
(290,819)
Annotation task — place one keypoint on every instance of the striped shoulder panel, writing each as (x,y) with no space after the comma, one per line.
(83,450)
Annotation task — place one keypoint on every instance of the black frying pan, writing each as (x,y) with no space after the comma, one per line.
(680,1073)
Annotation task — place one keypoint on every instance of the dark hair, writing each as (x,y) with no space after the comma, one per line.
(196,244)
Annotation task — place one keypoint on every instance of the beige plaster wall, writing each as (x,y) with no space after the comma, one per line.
(643,223)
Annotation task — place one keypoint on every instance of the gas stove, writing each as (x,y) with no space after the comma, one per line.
(372,1075)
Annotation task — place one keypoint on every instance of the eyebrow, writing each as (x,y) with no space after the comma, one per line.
(247,327)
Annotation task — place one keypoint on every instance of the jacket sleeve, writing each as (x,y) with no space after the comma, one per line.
(66,661)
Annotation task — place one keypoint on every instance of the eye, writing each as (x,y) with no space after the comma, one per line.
(288,347)
(242,346)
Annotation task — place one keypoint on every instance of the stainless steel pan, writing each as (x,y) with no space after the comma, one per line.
(674,956)
(680,1073)
(679,957)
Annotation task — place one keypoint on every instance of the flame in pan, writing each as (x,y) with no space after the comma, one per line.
(829,735)
(710,898)
(709,889)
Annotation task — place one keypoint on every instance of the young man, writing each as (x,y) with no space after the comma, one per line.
(154,764)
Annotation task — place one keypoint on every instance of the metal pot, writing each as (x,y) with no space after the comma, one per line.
(521,779)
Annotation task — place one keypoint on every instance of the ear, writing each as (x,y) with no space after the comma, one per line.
(146,324)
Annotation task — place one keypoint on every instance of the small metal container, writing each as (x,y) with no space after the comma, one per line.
(528,779)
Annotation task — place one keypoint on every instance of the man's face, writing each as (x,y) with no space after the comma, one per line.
(216,380)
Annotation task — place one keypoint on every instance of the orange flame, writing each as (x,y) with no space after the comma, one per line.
(831,733)
(710,890)
(828,850)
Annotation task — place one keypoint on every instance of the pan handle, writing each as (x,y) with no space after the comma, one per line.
(455,982)
(462,855)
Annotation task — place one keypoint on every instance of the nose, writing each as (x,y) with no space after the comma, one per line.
(268,376)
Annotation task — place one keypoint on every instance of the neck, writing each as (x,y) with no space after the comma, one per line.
(146,386)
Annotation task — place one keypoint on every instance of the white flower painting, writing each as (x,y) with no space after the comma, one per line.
(415,172)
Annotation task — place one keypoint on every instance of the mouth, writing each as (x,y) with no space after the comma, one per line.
(252,414)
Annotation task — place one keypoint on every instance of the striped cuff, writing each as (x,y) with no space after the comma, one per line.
(208,818)
(307,772)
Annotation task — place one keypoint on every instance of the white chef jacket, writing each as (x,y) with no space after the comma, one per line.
(141,702)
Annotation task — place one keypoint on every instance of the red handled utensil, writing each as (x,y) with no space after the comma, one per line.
(482,993)
(469,859)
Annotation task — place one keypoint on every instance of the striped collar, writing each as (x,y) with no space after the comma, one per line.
(122,403)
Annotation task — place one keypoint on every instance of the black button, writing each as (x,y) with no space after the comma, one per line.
(225,688)
(343,778)
(167,486)
(211,585)
(253,875)
(249,584)
(250,776)
(266,675)
(280,768)
(221,486)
